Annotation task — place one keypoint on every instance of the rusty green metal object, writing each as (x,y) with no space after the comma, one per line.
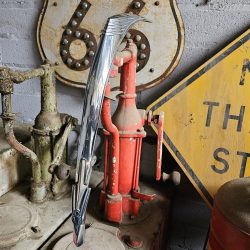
(50,131)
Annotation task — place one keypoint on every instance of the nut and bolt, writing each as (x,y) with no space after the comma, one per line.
(91,53)
(65,41)
(68,31)
(69,61)
(86,62)
(90,44)
(137,5)
(84,5)
(137,38)
(143,46)
(77,34)
(73,23)
(142,56)
(86,36)
(78,65)
(78,14)
(64,52)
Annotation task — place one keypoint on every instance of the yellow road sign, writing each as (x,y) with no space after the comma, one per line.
(207,119)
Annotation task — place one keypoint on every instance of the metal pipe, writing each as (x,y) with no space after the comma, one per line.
(48,124)
(48,90)
(112,129)
(21,76)
(8,123)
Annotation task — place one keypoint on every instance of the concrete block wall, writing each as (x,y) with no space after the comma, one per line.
(209,25)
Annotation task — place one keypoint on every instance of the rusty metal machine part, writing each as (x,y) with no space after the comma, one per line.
(77,25)
(230,225)
(49,131)
(123,135)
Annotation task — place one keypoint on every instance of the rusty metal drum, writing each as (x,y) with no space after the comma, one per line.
(230,225)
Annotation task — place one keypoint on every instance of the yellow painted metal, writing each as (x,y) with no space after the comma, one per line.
(207,119)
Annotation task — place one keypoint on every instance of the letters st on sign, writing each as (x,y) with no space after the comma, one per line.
(207,119)
(68,33)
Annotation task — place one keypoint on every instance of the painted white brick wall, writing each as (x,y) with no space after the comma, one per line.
(209,25)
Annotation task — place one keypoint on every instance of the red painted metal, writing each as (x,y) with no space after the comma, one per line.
(229,228)
(123,135)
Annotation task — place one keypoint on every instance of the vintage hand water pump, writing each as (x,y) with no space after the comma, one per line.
(123,134)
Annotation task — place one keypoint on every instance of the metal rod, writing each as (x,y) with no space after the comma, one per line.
(115,151)
(8,123)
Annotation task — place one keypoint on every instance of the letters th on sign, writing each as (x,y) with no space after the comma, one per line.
(220,154)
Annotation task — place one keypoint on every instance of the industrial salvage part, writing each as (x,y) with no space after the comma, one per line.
(230,223)
(77,26)
(50,132)
(123,135)
(114,32)
(216,98)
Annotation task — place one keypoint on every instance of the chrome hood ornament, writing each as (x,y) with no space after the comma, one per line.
(113,34)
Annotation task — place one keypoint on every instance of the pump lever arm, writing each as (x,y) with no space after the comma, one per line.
(159,121)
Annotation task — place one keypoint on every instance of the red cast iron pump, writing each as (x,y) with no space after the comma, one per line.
(123,140)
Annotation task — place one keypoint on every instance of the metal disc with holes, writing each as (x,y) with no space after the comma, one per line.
(68,33)
(98,237)
(16,223)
